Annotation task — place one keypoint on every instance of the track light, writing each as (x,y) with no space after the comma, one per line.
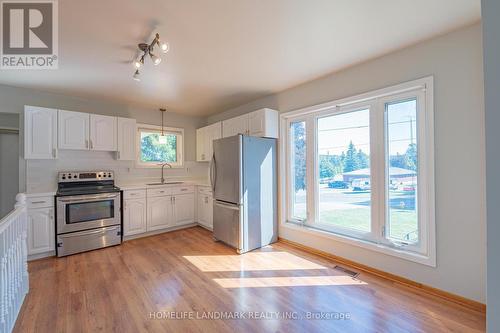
(137,75)
(147,49)
(156,59)
(139,62)
(164,47)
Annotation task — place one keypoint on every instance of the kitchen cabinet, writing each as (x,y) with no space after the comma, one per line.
(159,212)
(234,126)
(183,209)
(126,130)
(134,216)
(205,207)
(204,141)
(40,133)
(261,123)
(73,129)
(102,133)
(40,230)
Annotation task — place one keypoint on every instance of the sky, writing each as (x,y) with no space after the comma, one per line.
(335,132)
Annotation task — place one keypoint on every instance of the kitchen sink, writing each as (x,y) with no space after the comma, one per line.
(166,183)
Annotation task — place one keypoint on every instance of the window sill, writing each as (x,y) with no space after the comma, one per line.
(395,252)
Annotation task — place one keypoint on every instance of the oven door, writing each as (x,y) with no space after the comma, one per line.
(83,212)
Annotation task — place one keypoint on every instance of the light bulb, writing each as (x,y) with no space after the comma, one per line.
(137,64)
(162,139)
(156,60)
(165,47)
(137,75)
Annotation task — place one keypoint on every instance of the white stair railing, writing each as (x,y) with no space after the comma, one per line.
(14,283)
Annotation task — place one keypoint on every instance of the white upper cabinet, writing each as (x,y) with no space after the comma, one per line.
(263,123)
(234,126)
(102,133)
(214,132)
(73,130)
(40,133)
(200,144)
(127,129)
(204,141)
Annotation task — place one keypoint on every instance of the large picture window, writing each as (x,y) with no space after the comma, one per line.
(362,169)
(155,149)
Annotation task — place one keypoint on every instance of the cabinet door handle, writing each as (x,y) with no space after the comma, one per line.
(118,153)
(38,202)
(91,144)
(87,144)
(54,152)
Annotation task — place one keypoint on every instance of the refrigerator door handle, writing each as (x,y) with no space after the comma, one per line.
(228,206)
(213,173)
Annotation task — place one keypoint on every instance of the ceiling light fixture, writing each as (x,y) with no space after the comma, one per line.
(162,138)
(147,49)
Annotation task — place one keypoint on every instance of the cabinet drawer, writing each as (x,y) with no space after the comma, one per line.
(158,192)
(205,190)
(182,190)
(40,202)
(134,194)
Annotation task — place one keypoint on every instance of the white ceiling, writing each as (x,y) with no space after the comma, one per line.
(228,52)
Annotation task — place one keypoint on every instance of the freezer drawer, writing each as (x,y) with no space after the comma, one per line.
(226,224)
(87,240)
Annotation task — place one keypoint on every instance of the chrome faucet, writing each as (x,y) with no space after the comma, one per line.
(162,167)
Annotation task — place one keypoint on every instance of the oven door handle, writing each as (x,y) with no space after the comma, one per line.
(97,197)
(86,232)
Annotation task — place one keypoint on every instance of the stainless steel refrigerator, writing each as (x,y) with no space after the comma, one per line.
(243,174)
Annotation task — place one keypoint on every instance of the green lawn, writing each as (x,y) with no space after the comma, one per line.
(403,221)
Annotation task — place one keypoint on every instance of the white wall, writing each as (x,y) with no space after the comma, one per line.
(455,60)
(40,175)
(491,37)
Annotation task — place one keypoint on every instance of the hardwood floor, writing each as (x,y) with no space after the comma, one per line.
(135,287)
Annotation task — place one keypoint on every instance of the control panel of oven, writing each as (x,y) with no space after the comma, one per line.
(74,176)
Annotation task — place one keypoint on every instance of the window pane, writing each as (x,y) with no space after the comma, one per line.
(402,216)
(155,150)
(344,170)
(298,169)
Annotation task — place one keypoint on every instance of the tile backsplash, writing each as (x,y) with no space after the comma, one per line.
(41,175)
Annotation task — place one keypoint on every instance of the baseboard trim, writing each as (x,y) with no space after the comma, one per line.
(160,231)
(419,287)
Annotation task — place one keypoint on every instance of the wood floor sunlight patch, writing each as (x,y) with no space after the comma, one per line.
(255,261)
(292,281)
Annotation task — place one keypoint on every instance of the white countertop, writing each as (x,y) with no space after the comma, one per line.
(40,194)
(131,185)
(144,185)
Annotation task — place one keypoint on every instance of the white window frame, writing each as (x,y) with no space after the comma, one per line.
(179,132)
(425,251)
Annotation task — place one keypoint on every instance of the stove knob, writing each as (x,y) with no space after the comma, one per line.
(69,177)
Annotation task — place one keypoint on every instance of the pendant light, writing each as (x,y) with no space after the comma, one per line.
(162,138)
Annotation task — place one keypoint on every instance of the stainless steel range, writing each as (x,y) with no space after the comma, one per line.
(88,212)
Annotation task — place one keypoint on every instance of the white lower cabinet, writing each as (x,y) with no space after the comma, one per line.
(205,209)
(159,214)
(134,216)
(41,230)
(157,208)
(183,209)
